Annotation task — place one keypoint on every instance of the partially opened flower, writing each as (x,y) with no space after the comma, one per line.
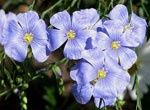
(99,79)
(133,29)
(2,23)
(115,47)
(74,32)
(26,30)
(5,18)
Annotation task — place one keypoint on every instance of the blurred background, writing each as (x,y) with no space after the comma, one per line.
(51,91)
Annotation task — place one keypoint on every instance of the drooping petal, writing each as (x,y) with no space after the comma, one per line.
(56,38)
(119,12)
(27,20)
(85,18)
(74,48)
(82,93)
(83,72)
(127,57)
(39,51)
(104,101)
(61,20)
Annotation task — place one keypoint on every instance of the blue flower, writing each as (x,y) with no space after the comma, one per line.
(99,79)
(133,29)
(24,31)
(74,32)
(116,47)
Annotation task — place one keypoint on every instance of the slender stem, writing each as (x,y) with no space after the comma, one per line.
(50,8)
(72,4)
(143,6)
(138,104)
(32,5)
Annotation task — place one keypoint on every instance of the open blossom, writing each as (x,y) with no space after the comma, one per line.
(99,79)
(115,47)
(74,32)
(24,31)
(133,29)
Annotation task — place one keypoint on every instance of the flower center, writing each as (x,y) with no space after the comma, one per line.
(101,74)
(115,44)
(28,37)
(127,27)
(71,34)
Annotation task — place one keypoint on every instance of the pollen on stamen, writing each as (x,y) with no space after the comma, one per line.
(101,74)
(28,37)
(71,34)
(115,44)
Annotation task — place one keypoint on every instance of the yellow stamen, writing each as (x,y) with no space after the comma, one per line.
(101,74)
(28,37)
(127,27)
(71,34)
(115,44)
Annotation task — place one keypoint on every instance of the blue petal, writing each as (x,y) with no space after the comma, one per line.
(105,101)
(139,28)
(119,12)
(56,38)
(16,49)
(83,72)
(61,20)
(98,25)
(39,30)
(27,20)
(117,74)
(113,54)
(2,23)
(11,16)
(85,34)
(39,50)
(85,18)
(113,26)
(127,57)
(104,88)
(103,41)
(74,48)
(12,31)
(93,56)
(82,93)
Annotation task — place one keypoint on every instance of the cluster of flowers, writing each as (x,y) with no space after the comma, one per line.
(104,48)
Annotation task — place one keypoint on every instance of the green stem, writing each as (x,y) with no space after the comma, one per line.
(50,8)
(72,4)
(143,6)
(138,104)
(32,5)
